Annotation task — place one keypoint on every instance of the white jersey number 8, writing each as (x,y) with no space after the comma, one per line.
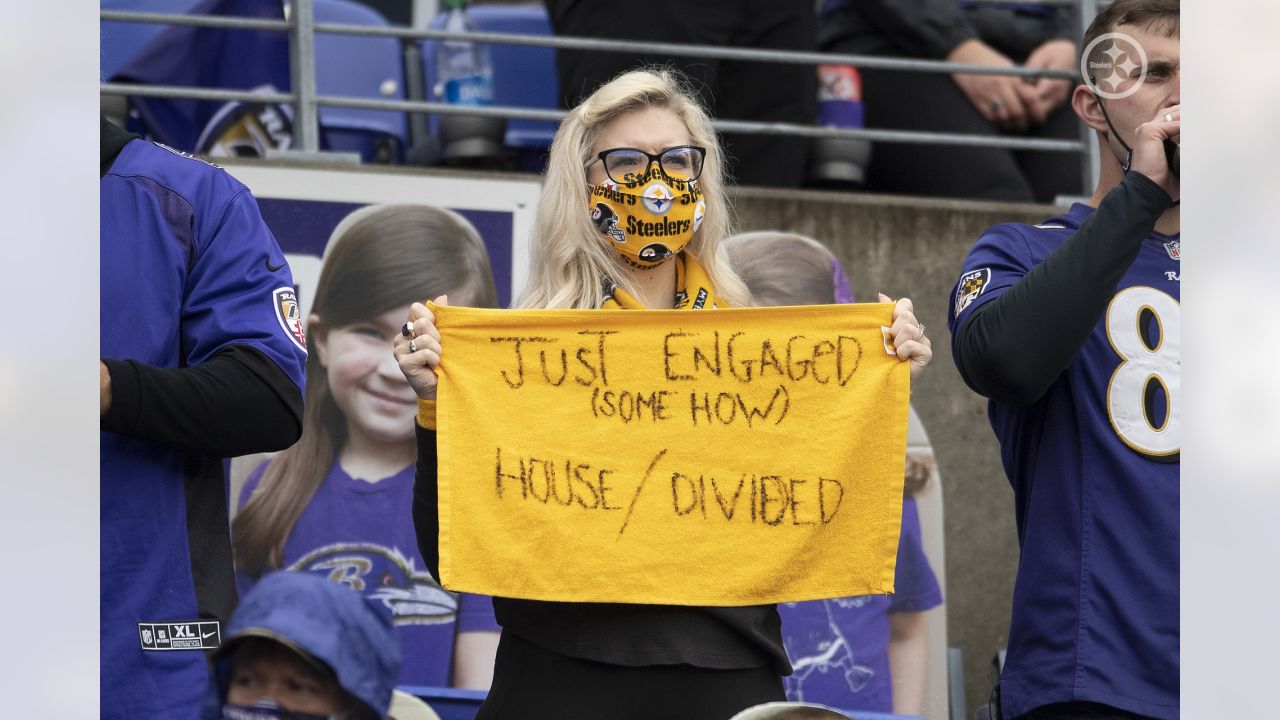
(1143,366)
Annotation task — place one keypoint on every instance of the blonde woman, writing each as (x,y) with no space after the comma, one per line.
(641,135)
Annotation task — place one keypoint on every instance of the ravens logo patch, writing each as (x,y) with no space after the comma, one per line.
(970,287)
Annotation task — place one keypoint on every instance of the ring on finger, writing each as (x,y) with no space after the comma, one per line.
(920,327)
(413,346)
(1168,117)
(407,330)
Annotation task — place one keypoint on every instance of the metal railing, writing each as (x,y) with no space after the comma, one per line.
(302,28)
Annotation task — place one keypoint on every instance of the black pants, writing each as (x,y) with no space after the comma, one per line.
(932,101)
(530,683)
(731,90)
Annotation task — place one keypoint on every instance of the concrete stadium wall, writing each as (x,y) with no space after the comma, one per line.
(914,247)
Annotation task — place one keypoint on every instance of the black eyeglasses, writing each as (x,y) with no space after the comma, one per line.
(626,165)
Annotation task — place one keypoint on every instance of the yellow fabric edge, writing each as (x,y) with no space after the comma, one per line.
(721,601)
(427,413)
(449,315)
(444,493)
(903,399)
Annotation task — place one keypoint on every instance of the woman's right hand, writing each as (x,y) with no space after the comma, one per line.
(420,366)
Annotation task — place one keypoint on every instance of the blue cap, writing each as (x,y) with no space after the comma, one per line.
(325,620)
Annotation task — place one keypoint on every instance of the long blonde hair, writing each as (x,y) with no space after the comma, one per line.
(569,261)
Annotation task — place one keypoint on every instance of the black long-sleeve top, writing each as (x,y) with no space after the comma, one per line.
(1014,347)
(236,403)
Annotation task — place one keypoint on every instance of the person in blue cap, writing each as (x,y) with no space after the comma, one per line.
(300,647)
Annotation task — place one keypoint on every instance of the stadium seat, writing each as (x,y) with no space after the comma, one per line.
(120,41)
(448,703)
(523,76)
(366,67)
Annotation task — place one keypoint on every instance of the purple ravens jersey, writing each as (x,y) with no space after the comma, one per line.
(188,269)
(1094,468)
(361,534)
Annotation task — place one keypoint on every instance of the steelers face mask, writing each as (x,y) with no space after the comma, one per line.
(646,209)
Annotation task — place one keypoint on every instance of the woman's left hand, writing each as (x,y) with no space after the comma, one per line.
(909,339)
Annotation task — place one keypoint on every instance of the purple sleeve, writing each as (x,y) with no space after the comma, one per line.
(240,291)
(475,614)
(916,587)
(998,260)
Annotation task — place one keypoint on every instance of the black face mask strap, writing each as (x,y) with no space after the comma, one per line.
(1128,158)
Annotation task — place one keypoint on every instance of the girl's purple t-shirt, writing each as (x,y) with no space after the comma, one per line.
(840,648)
(361,534)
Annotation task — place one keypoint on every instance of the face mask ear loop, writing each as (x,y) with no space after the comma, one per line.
(1128,158)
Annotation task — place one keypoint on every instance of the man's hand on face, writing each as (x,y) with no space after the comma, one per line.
(1148,148)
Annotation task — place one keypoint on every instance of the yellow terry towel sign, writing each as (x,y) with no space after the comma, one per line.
(730,457)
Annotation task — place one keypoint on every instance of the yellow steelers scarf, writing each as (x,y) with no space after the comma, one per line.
(693,289)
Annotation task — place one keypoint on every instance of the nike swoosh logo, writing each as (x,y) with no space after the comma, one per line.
(208,635)
(273,268)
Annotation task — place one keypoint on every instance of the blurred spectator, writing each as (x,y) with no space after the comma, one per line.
(993,34)
(202,359)
(337,503)
(732,90)
(855,653)
(787,269)
(215,58)
(302,648)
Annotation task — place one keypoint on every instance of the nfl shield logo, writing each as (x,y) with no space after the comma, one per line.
(290,315)
(1174,247)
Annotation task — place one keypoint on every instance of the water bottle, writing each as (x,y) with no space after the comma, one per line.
(464,69)
(464,76)
(837,162)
